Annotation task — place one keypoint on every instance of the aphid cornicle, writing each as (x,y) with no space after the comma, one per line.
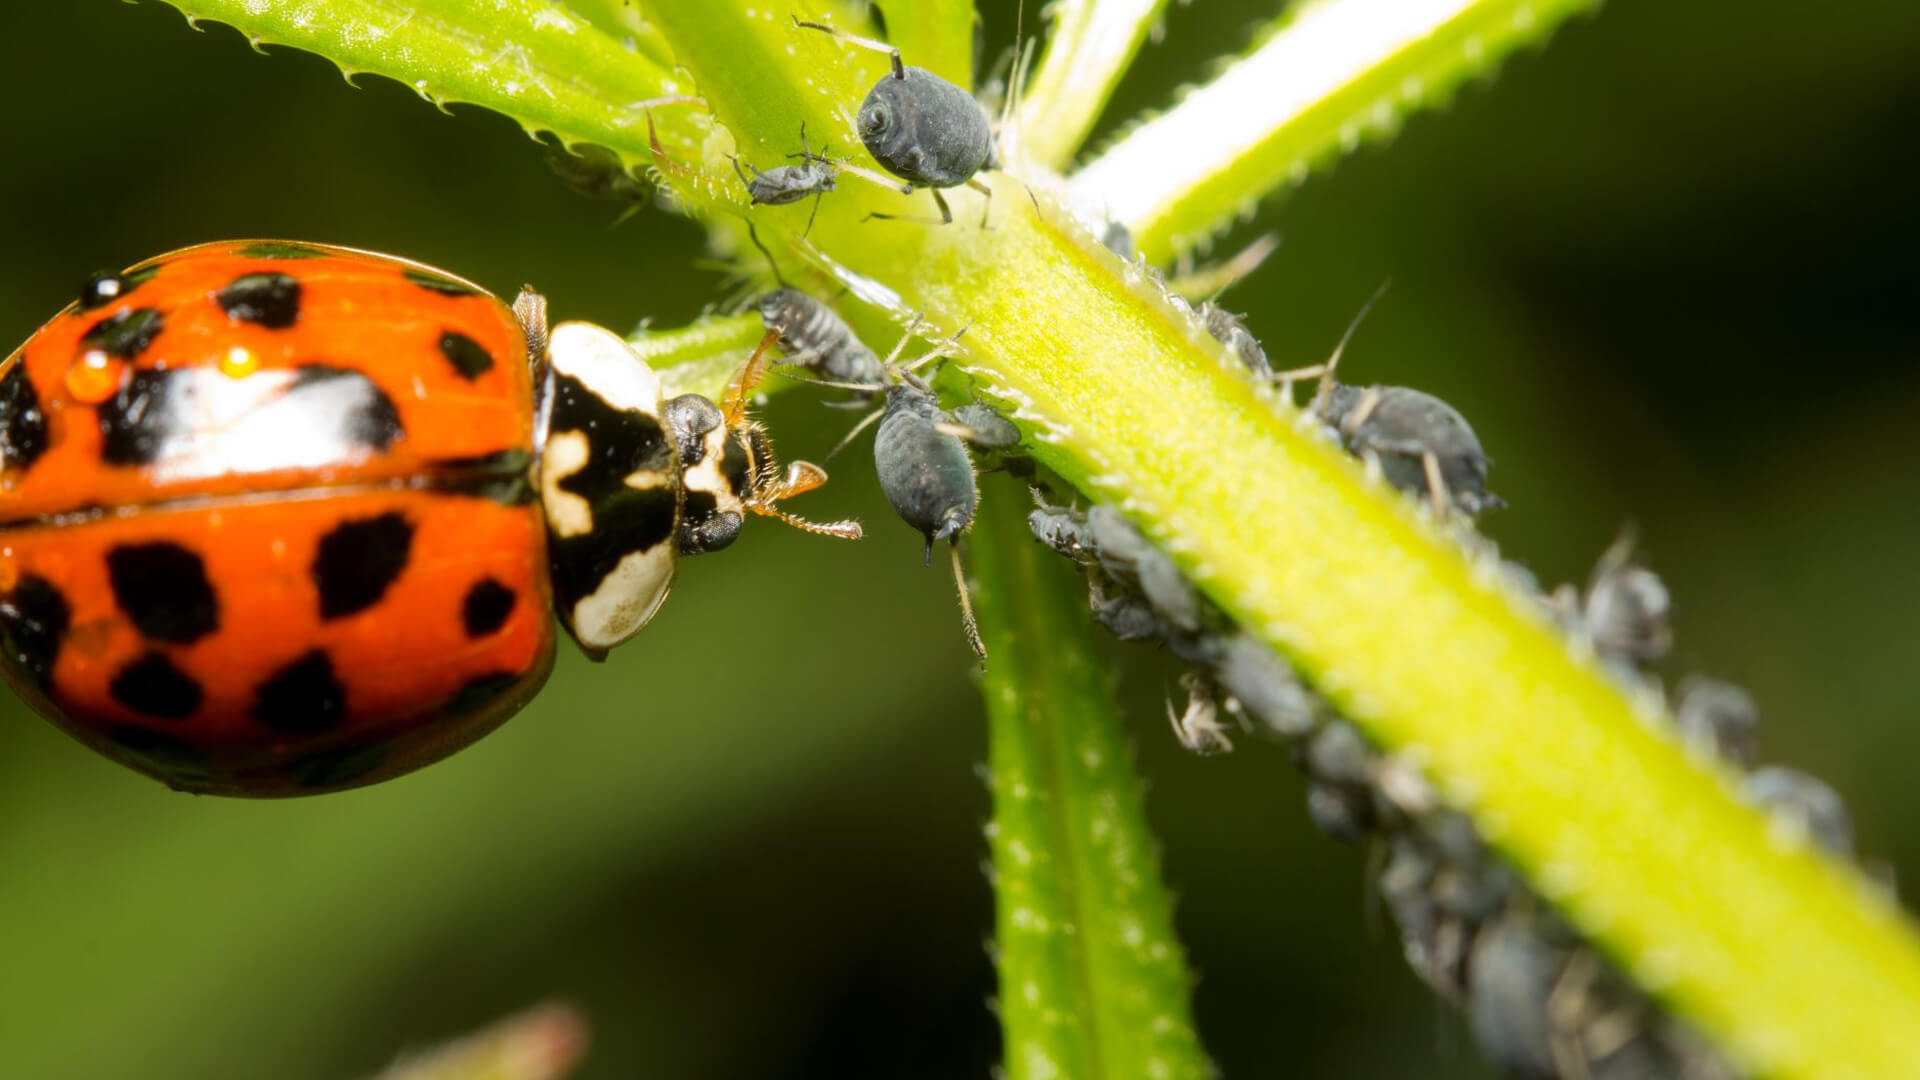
(922,128)
(283,518)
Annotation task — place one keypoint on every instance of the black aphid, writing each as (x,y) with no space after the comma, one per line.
(922,128)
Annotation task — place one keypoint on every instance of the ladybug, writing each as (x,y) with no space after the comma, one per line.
(282,518)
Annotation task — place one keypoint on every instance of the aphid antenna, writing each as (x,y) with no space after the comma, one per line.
(1327,378)
(1209,283)
(899,69)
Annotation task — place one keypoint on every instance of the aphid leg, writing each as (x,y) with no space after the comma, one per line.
(1436,485)
(1369,401)
(967,620)
(733,405)
(744,178)
(754,236)
(946,215)
(814,213)
(975,183)
(899,69)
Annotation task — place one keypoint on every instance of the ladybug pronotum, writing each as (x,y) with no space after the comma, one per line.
(282,518)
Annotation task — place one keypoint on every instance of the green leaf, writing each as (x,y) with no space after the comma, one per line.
(1093,982)
(536,61)
(1336,75)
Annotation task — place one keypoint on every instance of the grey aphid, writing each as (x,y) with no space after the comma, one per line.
(1807,802)
(1198,727)
(922,128)
(1125,613)
(1341,811)
(1514,974)
(1227,328)
(790,183)
(1124,550)
(1269,691)
(924,472)
(1119,239)
(1063,529)
(1415,437)
(985,426)
(815,337)
(1338,753)
(1719,716)
(1627,613)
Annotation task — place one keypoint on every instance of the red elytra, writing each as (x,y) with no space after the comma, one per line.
(267,518)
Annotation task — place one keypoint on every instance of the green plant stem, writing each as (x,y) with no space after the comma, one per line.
(1334,76)
(1093,982)
(1090,43)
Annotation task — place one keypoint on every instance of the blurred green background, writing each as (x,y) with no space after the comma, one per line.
(1665,265)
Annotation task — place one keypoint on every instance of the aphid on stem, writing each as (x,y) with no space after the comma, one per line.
(922,128)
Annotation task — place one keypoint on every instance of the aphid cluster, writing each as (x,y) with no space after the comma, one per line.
(1541,1002)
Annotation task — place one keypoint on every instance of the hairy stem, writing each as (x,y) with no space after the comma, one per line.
(1093,982)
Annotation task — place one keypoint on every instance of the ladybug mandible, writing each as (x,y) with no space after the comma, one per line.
(281,518)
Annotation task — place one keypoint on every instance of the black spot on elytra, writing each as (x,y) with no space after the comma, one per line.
(302,698)
(441,284)
(166,754)
(479,693)
(626,519)
(264,299)
(152,685)
(486,608)
(156,415)
(358,561)
(125,334)
(343,765)
(138,421)
(105,287)
(34,618)
(164,589)
(279,249)
(23,425)
(468,357)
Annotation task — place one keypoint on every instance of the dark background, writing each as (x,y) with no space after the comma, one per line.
(1666,265)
